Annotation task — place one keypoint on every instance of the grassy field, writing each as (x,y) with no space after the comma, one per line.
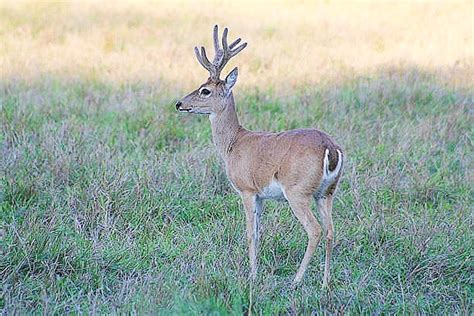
(110,201)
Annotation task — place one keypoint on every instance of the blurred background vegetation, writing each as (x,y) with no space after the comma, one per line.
(292,43)
(110,201)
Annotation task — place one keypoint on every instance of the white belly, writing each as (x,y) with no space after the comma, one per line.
(274,191)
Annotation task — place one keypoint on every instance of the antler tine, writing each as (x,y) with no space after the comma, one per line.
(199,58)
(216,39)
(204,61)
(224,41)
(219,53)
(238,49)
(234,43)
(204,58)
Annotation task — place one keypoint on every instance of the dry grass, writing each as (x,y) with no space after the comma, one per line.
(291,44)
(111,202)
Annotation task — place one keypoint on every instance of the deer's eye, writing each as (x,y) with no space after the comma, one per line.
(205,92)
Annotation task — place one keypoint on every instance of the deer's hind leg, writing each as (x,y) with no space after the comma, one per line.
(301,207)
(325,210)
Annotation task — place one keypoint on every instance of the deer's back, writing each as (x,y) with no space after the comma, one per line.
(291,158)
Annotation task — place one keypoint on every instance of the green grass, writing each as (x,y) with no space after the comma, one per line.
(110,201)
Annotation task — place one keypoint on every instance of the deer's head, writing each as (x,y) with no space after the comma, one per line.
(210,96)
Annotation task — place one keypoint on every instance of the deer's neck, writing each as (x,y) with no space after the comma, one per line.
(225,127)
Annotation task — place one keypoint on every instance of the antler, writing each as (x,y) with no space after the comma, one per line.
(222,55)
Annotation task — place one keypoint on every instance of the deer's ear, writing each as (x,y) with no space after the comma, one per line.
(231,79)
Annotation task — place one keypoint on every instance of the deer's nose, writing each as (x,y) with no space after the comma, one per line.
(178,105)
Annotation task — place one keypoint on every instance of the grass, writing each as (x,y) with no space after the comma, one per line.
(111,202)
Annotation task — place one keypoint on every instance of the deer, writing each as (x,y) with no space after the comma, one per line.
(297,166)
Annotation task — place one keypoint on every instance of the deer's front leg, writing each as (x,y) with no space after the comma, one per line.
(253,208)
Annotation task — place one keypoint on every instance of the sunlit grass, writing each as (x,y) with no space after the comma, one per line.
(290,44)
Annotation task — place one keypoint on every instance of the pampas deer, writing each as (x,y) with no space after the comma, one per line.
(297,165)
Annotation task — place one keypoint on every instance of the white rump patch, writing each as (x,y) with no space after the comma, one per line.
(328,176)
(331,175)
